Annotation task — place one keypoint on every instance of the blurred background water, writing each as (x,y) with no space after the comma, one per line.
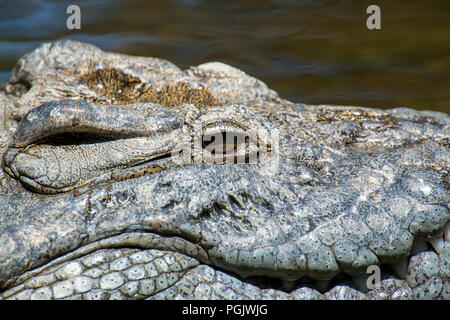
(310,51)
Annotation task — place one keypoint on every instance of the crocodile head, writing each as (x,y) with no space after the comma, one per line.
(126,177)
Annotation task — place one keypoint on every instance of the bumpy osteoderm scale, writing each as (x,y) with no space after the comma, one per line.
(108,156)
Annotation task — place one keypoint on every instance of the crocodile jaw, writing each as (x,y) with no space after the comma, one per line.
(381,174)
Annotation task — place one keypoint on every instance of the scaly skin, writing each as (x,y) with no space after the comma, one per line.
(110,189)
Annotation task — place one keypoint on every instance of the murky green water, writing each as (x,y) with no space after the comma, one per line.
(311,51)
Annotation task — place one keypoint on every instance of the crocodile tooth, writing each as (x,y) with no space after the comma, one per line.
(323,285)
(447,232)
(360,282)
(400,268)
(438,244)
(419,245)
(288,285)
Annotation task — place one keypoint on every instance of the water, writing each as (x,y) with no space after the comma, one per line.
(310,51)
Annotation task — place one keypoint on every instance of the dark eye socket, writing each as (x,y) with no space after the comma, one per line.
(225,143)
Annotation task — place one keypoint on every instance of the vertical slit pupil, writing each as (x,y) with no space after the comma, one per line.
(247,152)
(235,149)
(224,143)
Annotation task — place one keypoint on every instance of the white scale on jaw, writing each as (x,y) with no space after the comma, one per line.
(440,242)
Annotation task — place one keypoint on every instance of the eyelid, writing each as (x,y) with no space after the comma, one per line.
(232,123)
(228,127)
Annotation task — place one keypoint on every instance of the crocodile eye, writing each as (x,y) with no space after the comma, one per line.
(225,143)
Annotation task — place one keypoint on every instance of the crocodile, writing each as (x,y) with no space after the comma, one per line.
(126,177)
